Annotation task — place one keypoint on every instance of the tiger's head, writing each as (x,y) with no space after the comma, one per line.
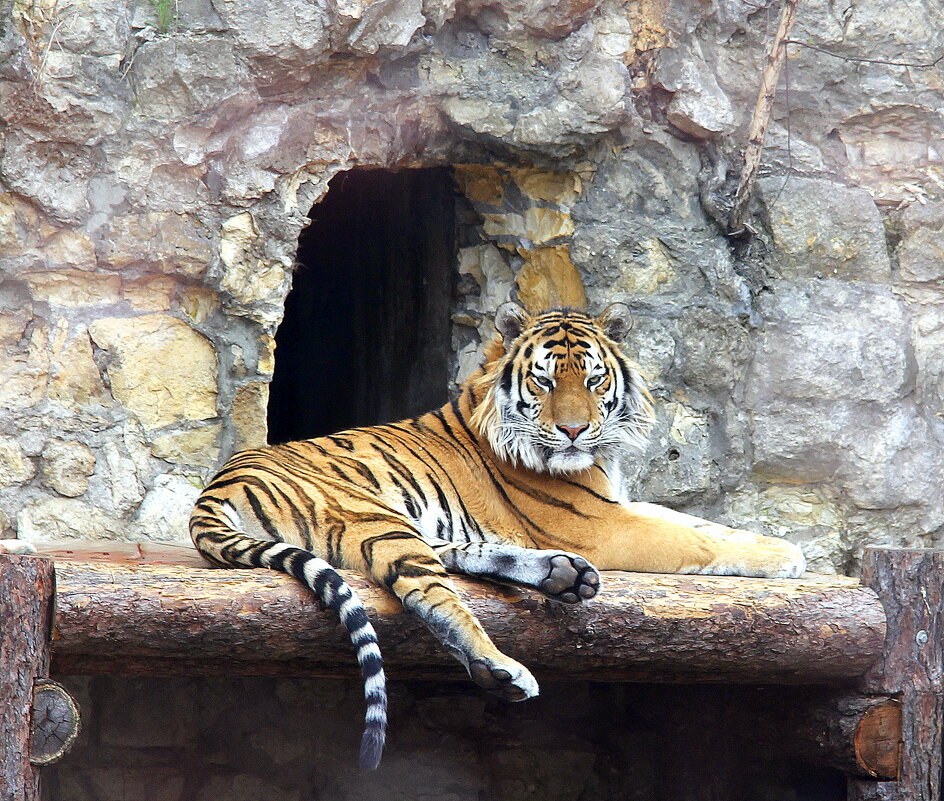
(557,394)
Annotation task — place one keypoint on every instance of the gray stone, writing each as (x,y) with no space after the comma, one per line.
(165,511)
(824,228)
(831,340)
(698,106)
(66,467)
(921,252)
(67,518)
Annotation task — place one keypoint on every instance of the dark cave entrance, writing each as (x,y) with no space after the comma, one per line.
(366,333)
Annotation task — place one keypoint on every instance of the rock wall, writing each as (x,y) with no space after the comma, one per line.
(158,161)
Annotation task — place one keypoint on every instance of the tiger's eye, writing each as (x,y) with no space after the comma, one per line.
(543,382)
(594,381)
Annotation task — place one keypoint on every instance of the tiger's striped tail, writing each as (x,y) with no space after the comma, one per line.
(224,545)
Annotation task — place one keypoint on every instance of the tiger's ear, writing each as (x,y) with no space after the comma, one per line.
(616,321)
(510,320)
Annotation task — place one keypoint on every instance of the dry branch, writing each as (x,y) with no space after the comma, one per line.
(760,120)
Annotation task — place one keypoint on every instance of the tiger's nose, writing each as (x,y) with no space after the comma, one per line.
(573,431)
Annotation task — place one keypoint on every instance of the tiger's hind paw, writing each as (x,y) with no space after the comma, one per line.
(505,677)
(570,579)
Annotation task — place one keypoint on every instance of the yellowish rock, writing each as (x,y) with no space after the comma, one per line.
(74,379)
(265,366)
(67,466)
(13,326)
(249,415)
(19,223)
(248,278)
(154,293)
(15,467)
(554,187)
(197,303)
(481,183)
(648,276)
(165,241)
(647,20)
(23,376)
(74,287)
(199,446)
(549,279)
(160,369)
(542,225)
(70,249)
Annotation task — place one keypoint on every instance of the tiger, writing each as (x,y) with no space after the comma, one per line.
(519,478)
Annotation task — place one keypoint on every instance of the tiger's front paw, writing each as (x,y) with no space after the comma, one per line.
(570,579)
(746,554)
(503,676)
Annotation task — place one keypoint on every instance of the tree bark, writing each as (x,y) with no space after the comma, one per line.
(910,584)
(160,619)
(27,585)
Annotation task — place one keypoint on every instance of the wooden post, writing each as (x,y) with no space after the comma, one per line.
(27,586)
(910,584)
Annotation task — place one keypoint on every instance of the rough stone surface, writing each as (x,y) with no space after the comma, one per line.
(66,467)
(67,518)
(15,467)
(166,508)
(825,229)
(156,168)
(159,368)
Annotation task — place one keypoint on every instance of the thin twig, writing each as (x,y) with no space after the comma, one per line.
(914,64)
(53,39)
(760,120)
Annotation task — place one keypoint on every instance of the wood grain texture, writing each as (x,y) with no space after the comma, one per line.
(910,584)
(27,585)
(165,619)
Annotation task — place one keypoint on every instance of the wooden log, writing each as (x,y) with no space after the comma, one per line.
(55,722)
(910,584)
(161,619)
(855,733)
(27,585)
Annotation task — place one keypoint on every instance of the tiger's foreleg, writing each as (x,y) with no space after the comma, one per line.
(653,539)
(408,566)
(560,575)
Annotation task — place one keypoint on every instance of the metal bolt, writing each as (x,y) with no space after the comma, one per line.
(921,637)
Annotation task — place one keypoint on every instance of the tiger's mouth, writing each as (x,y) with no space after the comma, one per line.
(571,459)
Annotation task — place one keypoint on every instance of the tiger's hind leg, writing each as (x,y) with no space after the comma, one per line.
(560,575)
(402,561)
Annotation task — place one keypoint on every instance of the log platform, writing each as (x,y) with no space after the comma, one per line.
(867,656)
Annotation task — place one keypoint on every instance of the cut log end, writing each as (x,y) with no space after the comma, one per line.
(55,722)
(877,740)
